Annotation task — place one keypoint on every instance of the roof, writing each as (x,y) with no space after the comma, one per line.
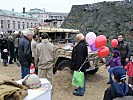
(36,10)
(17,14)
(40,11)
(49,29)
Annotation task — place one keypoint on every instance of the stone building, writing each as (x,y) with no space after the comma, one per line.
(48,18)
(11,21)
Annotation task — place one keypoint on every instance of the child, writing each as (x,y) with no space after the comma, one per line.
(5,57)
(129,68)
(115,61)
(118,88)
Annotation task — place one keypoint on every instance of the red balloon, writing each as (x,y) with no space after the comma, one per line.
(100,41)
(103,51)
(114,42)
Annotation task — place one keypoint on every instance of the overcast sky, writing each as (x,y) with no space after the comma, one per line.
(49,5)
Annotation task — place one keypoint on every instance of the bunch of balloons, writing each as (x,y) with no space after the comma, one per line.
(98,43)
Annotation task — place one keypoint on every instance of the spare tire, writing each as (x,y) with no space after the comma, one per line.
(63,64)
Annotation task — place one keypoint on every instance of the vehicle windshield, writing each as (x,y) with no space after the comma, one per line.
(61,37)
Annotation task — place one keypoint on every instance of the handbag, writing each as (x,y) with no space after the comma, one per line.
(78,77)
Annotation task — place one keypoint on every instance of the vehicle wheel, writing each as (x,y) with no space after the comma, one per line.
(93,71)
(63,64)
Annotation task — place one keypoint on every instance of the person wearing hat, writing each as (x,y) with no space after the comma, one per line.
(115,61)
(118,88)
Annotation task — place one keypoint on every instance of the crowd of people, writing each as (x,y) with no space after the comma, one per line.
(9,47)
(28,50)
(117,66)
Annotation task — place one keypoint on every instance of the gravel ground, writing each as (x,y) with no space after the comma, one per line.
(12,70)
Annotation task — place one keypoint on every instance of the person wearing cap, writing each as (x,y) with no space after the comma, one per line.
(129,68)
(24,52)
(114,62)
(44,58)
(118,88)
(79,55)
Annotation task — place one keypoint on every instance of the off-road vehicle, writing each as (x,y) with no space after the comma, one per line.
(64,41)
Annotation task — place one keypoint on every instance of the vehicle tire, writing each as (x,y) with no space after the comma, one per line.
(63,64)
(93,71)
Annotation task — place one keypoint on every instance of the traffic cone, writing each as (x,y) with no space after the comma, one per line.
(32,69)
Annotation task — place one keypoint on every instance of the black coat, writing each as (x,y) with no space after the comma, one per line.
(3,44)
(110,93)
(24,52)
(124,49)
(79,55)
(4,55)
(10,44)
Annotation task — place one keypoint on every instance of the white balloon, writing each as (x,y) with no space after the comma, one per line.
(90,38)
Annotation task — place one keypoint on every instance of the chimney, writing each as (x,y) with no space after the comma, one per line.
(23,9)
(13,10)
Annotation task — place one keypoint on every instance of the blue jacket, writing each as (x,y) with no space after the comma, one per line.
(24,52)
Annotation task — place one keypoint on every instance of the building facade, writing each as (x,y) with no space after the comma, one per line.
(11,21)
(54,19)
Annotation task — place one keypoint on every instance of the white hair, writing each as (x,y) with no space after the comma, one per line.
(27,32)
(80,36)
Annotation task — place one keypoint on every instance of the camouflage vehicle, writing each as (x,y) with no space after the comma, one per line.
(64,41)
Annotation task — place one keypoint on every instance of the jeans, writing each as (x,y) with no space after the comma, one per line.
(11,57)
(4,61)
(25,70)
(110,70)
(81,90)
(15,54)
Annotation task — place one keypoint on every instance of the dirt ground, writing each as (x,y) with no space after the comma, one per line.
(62,88)
(95,86)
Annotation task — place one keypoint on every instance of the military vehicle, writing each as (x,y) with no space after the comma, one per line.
(64,41)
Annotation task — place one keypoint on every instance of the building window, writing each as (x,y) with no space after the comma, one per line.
(27,25)
(23,25)
(31,25)
(8,24)
(14,24)
(2,23)
(18,24)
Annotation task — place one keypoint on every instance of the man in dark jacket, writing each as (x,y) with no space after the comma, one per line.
(118,88)
(10,44)
(79,55)
(24,52)
(124,49)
